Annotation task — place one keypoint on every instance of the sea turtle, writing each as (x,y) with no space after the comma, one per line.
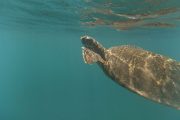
(150,75)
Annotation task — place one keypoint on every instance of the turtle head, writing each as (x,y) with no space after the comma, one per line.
(92,50)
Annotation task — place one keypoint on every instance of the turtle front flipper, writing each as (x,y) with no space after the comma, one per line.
(91,57)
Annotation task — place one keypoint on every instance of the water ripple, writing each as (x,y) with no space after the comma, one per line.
(120,15)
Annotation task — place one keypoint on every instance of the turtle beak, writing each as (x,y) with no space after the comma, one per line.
(83,38)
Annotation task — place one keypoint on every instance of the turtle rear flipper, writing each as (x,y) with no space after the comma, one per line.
(90,57)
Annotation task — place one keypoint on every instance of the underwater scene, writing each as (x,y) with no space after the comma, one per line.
(44,75)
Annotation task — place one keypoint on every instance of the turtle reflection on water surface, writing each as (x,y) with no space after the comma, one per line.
(150,75)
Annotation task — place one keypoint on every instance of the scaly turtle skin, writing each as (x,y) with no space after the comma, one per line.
(150,75)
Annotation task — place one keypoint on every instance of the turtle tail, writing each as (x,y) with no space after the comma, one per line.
(93,45)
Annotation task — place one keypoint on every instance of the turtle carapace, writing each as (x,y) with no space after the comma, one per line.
(150,75)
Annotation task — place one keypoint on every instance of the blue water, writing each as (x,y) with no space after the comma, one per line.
(42,73)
